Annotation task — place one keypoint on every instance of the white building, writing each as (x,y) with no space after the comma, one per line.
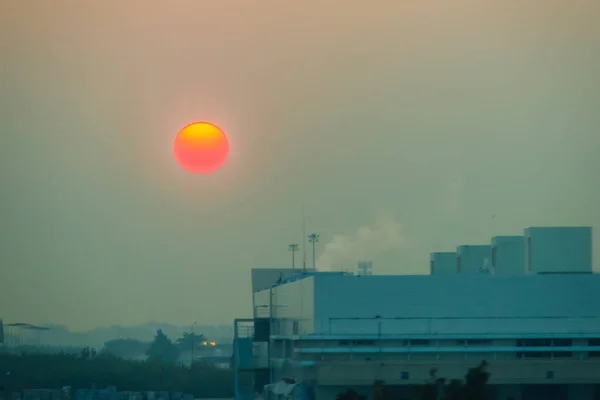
(540,333)
(558,250)
(443,263)
(473,258)
(508,255)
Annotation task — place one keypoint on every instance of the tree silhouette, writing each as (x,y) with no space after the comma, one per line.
(190,341)
(162,349)
(54,371)
(126,348)
(349,394)
(476,382)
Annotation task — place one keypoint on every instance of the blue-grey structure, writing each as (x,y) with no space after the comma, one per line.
(473,258)
(558,250)
(318,333)
(508,255)
(443,263)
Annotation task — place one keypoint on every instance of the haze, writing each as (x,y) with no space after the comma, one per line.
(442,114)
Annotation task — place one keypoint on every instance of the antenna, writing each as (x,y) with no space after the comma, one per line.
(293,248)
(303,240)
(313,238)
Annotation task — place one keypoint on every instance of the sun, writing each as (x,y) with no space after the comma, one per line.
(201,147)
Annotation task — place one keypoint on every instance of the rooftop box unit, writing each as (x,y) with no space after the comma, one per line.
(508,255)
(473,259)
(442,263)
(558,250)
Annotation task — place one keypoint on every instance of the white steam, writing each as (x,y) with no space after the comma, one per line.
(385,234)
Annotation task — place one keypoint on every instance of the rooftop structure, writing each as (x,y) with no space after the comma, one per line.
(443,263)
(550,250)
(508,255)
(473,258)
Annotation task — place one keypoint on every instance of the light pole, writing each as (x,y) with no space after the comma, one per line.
(314,239)
(193,345)
(293,248)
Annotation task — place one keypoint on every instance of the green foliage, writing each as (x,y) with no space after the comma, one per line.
(380,391)
(349,394)
(53,371)
(163,349)
(476,383)
(189,341)
(126,348)
(475,387)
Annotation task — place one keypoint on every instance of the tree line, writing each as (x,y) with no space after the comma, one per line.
(88,368)
(474,387)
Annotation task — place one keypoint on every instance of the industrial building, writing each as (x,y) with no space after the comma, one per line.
(535,321)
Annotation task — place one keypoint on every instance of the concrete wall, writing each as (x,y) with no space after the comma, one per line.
(293,304)
(501,392)
(508,255)
(416,372)
(457,304)
(558,249)
(263,278)
(472,258)
(442,263)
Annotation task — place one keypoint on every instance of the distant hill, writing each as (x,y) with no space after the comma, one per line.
(62,336)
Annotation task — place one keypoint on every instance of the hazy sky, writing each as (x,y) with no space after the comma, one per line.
(442,113)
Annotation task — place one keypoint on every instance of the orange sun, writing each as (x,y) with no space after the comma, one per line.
(201,147)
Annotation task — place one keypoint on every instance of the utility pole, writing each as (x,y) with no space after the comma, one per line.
(293,248)
(303,240)
(193,345)
(314,239)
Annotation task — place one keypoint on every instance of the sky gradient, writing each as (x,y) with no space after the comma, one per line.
(420,118)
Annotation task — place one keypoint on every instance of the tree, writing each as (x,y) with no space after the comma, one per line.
(87,353)
(126,348)
(162,349)
(454,391)
(190,341)
(54,371)
(476,382)
(380,392)
(349,394)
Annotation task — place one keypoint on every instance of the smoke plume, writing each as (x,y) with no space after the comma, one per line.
(385,234)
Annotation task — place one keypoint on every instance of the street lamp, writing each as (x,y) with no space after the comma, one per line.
(293,248)
(193,345)
(314,239)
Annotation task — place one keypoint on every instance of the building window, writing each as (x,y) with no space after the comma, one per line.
(432,268)
(419,342)
(594,342)
(562,343)
(358,342)
(534,343)
(479,342)
(295,328)
(363,342)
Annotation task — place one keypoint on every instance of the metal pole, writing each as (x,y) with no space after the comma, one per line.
(303,240)
(271,375)
(193,345)
(293,248)
(314,238)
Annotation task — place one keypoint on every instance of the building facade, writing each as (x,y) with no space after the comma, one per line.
(325,332)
